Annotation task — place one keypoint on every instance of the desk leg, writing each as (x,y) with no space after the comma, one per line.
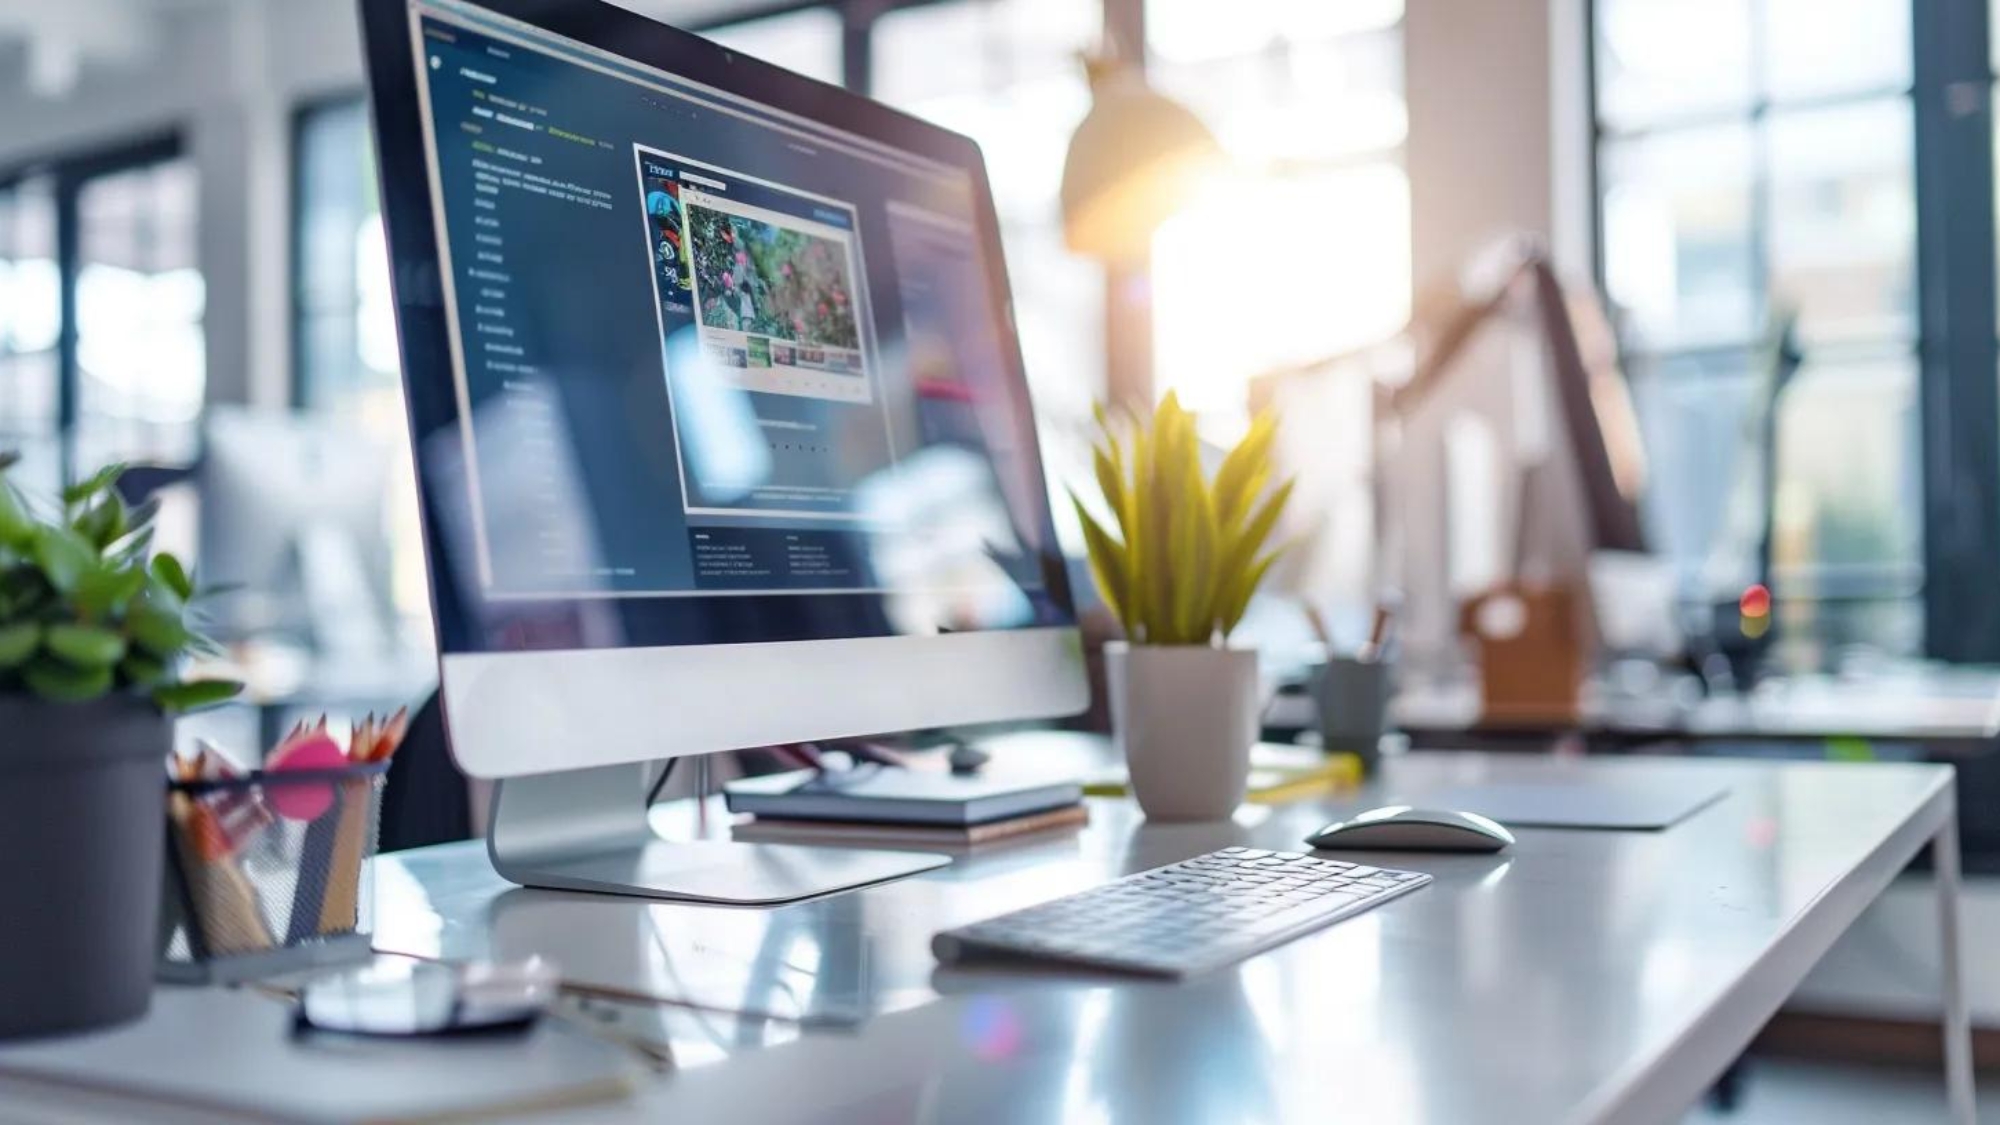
(1957,1019)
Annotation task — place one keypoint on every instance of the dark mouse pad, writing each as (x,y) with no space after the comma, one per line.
(1603,803)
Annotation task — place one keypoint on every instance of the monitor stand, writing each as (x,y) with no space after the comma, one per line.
(587,830)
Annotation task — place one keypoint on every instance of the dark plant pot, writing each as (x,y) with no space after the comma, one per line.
(82,824)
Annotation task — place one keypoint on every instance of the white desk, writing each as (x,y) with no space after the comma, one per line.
(1584,976)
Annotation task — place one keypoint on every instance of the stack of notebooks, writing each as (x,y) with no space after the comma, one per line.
(882,807)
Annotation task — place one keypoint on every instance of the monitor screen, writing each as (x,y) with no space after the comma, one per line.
(718,371)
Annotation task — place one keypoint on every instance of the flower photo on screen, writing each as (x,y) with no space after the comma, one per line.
(754,276)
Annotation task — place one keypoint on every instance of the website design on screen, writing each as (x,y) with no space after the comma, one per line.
(702,348)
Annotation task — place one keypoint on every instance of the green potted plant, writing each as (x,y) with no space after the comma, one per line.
(94,634)
(1177,561)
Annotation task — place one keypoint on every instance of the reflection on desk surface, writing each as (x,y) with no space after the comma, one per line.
(1578,952)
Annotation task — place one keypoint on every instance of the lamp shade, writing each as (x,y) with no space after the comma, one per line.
(1134,161)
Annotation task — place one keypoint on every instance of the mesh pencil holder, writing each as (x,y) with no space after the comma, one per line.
(267,873)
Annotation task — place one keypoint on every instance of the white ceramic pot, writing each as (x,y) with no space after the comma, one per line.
(1185,717)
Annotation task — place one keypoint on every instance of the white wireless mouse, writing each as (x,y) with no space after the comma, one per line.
(1401,828)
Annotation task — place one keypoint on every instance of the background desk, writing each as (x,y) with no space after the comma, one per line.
(1584,976)
(1951,712)
(1932,713)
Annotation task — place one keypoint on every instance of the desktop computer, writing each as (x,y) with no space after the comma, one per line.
(294,524)
(720,425)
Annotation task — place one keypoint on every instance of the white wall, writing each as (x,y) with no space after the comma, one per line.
(1499,131)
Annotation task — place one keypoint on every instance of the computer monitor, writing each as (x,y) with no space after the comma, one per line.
(719,420)
(293,518)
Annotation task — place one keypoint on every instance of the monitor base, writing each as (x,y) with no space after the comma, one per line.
(587,830)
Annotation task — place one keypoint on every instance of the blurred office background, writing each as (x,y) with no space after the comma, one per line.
(190,242)
(193,277)
(188,221)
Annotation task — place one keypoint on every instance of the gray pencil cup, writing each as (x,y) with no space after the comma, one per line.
(1351,698)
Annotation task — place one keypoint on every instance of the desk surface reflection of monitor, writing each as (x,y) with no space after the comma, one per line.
(719,420)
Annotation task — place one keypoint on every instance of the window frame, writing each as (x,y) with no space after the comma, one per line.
(1952,343)
(1959,363)
(68,172)
(299,393)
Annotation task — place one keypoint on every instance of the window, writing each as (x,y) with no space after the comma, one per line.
(807,41)
(102,356)
(1008,74)
(1302,250)
(30,329)
(347,367)
(344,335)
(141,362)
(1758,155)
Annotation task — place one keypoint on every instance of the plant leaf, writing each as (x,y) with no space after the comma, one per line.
(103,522)
(1244,470)
(92,485)
(141,515)
(17,525)
(138,534)
(169,570)
(1251,539)
(1156,498)
(182,698)
(18,642)
(131,548)
(143,670)
(85,646)
(1107,565)
(157,622)
(26,593)
(1194,551)
(64,556)
(1237,602)
(1138,542)
(1208,558)
(1103,419)
(62,683)
(103,591)
(1110,468)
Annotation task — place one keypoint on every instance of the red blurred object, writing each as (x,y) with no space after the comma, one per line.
(1755,602)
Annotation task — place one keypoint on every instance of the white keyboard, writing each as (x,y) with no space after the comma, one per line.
(1186,917)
